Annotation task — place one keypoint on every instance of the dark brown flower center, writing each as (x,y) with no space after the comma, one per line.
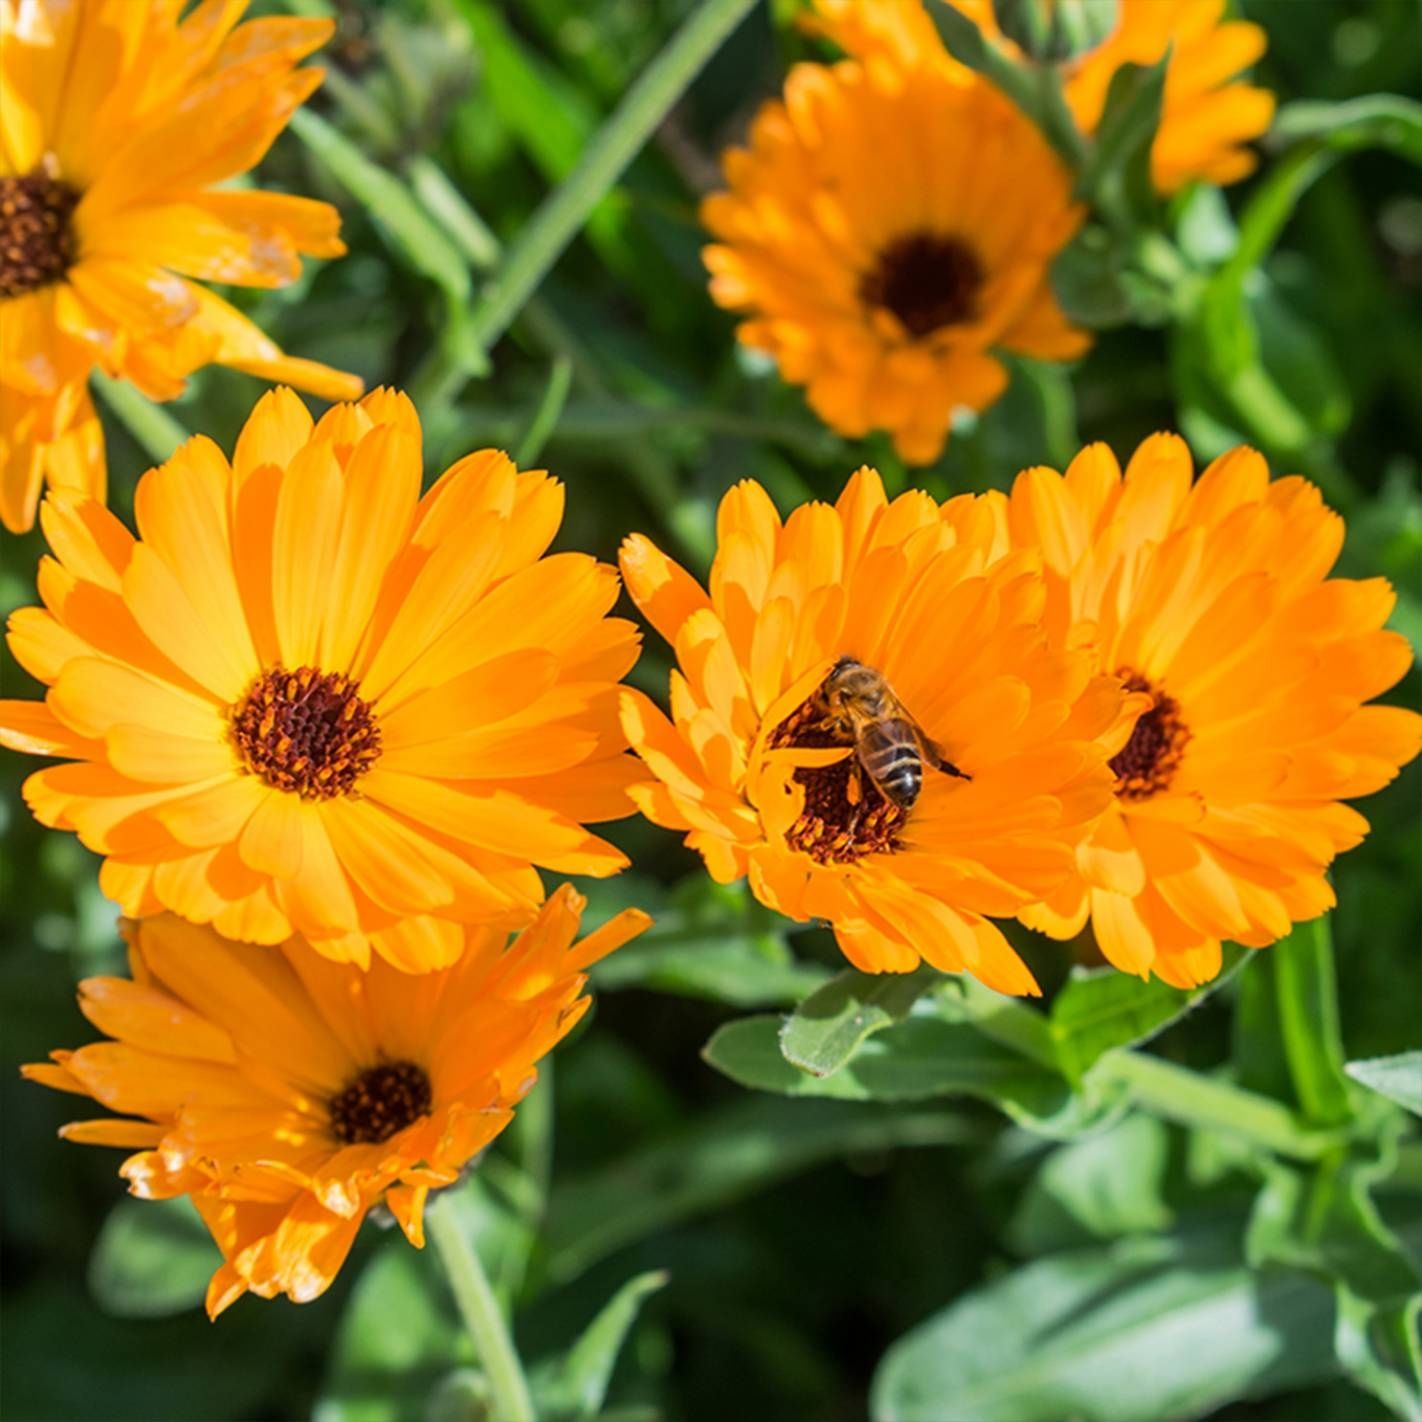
(36,235)
(927,280)
(1147,763)
(379,1103)
(306,731)
(846,816)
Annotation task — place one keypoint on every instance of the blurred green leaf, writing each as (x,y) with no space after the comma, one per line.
(398,1338)
(558,219)
(1325,1221)
(1399,1078)
(916,1060)
(723,1155)
(1145,1329)
(575,1385)
(1306,1000)
(1372,121)
(1101,1187)
(830,1025)
(1116,175)
(1054,30)
(150,424)
(1035,89)
(419,239)
(709,940)
(1100,1009)
(152,1258)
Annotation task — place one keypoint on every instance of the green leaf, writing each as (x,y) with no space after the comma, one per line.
(398,1338)
(916,1060)
(1325,1221)
(419,239)
(1097,1189)
(1399,1078)
(575,1385)
(152,1258)
(1055,30)
(1116,176)
(1101,1009)
(709,941)
(1371,121)
(725,1155)
(1036,90)
(1152,1328)
(830,1025)
(558,219)
(1306,998)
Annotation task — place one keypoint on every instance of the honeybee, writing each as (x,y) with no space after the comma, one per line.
(890,744)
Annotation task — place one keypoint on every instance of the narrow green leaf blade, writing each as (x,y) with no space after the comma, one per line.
(1306,989)
(575,1385)
(1399,1078)
(830,1025)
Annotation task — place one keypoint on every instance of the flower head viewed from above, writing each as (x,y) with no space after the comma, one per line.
(119,121)
(1216,601)
(1208,114)
(287,1095)
(886,229)
(308,700)
(901,818)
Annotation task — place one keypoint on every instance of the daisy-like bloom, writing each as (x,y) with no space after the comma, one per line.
(307,700)
(1215,600)
(119,120)
(768,784)
(1208,114)
(287,1095)
(886,230)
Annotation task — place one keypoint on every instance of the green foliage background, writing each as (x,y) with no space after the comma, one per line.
(1205,1254)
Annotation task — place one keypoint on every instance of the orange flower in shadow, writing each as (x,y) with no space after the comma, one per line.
(287,1095)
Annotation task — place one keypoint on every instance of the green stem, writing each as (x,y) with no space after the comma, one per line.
(1015,1025)
(474,237)
(151,425)
(1179,1094)
(1305,986)
(545,417)
(565,210)
(481,1314)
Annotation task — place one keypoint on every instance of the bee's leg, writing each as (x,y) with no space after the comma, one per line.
(933,754)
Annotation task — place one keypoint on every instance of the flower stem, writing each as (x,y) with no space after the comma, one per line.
(481,1314)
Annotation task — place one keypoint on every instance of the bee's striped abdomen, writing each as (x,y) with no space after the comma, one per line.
(889,753)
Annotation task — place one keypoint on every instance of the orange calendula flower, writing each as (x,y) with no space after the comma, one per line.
(781,762)
(287,1095)
(307,700)
(884,232)
(119,120)
(1215,600)
(1208,115)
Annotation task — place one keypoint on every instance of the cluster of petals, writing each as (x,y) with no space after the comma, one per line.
(238,1073)
(124,116)
(306,699)
(887,229)
(931,599)
(1208,114)
(1215,595)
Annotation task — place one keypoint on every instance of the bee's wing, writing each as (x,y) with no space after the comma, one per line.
(931,751)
